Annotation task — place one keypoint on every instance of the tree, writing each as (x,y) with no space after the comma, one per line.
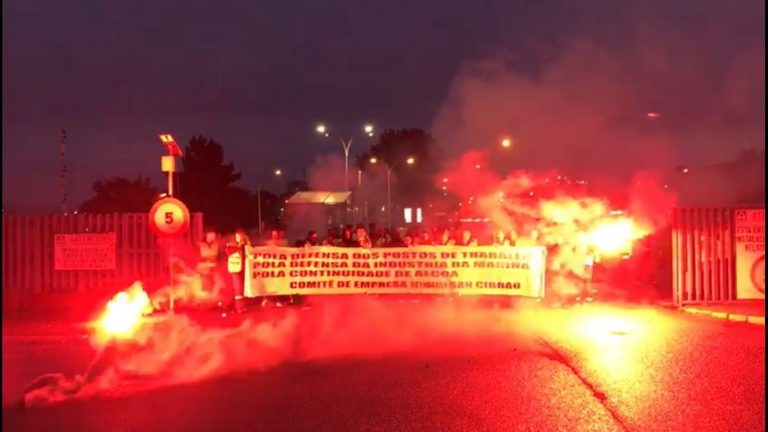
(206,185)
(414,183)
(121,195)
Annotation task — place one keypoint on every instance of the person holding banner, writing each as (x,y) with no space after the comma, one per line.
(347,238)
(331,237)
(445,238)
(501,239)
(362,238)
(467,239)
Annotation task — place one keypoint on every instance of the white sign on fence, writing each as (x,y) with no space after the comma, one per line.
(84,251)
(485,270)
(750,254)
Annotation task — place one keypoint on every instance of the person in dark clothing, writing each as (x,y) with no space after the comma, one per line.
(348,238)
(312,239)
(395,239)
(332,237)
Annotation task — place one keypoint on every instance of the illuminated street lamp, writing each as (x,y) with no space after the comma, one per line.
(506,142)
(323,130)
(278,172)
(410,161)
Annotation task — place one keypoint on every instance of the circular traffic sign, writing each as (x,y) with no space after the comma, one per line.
(758,274)
(169,217)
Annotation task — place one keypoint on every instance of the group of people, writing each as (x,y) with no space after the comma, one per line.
(378,237)
(234,251)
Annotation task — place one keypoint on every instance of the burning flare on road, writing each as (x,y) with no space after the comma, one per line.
(614,236)
(123,314)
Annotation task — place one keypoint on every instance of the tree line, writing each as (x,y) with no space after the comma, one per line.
(208,183)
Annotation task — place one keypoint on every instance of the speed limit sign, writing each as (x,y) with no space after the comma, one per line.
(169,217)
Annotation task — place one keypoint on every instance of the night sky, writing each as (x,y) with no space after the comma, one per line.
(257,76)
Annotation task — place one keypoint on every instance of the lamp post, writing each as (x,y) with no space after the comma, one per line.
(168,164)
(278,172)
(410,161)
(345,145)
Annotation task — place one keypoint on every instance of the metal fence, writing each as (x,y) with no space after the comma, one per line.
(28,254)
(703,255)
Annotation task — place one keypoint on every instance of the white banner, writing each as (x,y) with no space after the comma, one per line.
(484,270)
(750,254)
(84,251)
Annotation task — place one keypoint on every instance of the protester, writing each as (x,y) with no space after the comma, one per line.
(501,239)
(312,239)
(446,239)
(424,238)
(237,251)
(362,237)
(467,239)
(395,240)
(210,256)
(276,238)
(347,238)
(331,237)
(382,238)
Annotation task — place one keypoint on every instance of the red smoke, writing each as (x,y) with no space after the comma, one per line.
(565,214)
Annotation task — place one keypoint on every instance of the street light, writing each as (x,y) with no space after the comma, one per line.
(506,142)
(278,172)
(345,144)
(410,161)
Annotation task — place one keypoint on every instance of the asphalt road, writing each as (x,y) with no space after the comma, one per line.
(582,369)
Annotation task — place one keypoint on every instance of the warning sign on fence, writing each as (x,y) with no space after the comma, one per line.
(750,253)
(84,251)
(517,271)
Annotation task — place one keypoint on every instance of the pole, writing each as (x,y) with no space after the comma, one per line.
(63,178)
(389,197)
(346,146)
(170,246)
(346,169)
(258,200)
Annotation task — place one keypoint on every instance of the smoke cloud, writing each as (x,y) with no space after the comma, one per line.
(174,349)
(650,100)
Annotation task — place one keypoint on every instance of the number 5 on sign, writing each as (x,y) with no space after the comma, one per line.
(169,217)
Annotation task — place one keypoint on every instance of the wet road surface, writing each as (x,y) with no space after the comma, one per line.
(582,369)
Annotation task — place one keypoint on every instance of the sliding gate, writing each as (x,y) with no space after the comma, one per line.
(718,255)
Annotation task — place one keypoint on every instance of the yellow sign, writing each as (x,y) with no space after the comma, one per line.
(486,270)
(750,253)
(84,251)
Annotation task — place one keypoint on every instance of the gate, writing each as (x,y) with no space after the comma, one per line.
(704,255)
(28,255)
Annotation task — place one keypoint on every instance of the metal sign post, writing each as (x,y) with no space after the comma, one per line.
(168,165)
